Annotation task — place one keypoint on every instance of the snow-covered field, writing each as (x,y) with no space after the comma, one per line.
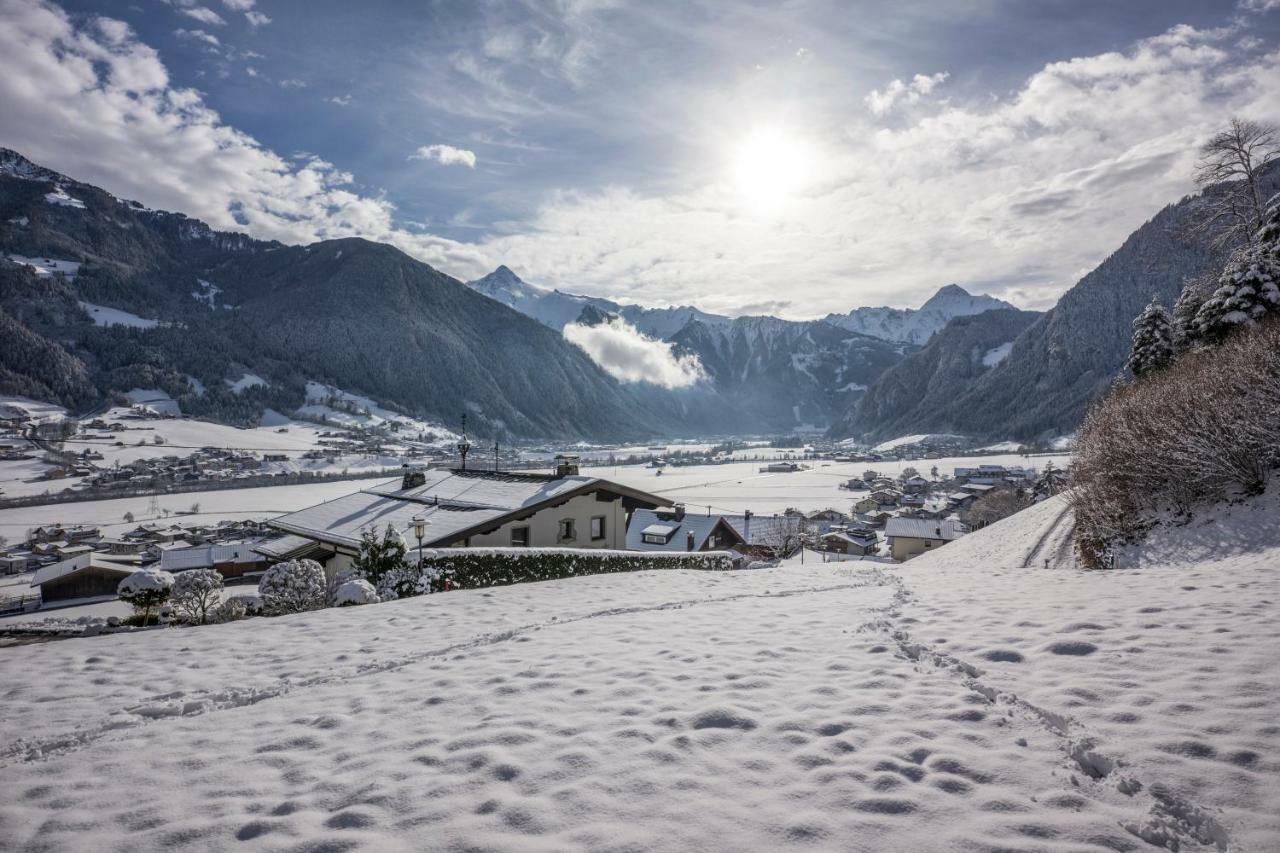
(104,316)
(960,702)
(182,437)
(262,502)
(741,485)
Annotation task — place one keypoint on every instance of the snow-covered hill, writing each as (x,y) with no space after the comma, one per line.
(962,701)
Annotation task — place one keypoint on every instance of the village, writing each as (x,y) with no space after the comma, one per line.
(888,515)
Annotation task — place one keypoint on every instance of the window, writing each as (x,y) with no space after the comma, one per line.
(519,537)
(653,539)
(597,528)
(567,531)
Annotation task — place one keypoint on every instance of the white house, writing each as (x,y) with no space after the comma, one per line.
(468,508)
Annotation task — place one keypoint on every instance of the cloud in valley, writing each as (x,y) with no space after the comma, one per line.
(629,356)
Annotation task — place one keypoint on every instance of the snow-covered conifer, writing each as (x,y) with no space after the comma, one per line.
(196,593)
(379,555)
(293,587)
(1248,290)
(145,590)
(1050,482)
(1152,339)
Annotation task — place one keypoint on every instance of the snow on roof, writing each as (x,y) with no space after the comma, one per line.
(284,547)
(79,563)
(340,521)
(451,501)
(676,531)
(208,556)
(923,528)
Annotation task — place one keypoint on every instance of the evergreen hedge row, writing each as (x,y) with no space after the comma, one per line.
(475,568)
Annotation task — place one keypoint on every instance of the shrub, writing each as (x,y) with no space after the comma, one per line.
(473,568)
(231,610)
(354,592)
(379,555)
(196,593)
(145,590)
(1205,427)
(293,587)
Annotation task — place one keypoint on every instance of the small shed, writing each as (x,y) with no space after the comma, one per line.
(82,576)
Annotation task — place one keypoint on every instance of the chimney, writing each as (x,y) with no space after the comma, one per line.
(746,525)
(413,478)
(566,465)
(688,540)
(679,512)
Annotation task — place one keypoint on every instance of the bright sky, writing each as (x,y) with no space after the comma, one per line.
(792,158)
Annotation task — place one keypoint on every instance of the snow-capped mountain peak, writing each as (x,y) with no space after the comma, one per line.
(916,326)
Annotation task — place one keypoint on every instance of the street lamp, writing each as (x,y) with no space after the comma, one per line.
(420,530)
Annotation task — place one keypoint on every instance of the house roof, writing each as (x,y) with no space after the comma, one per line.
(286,547)
(923,528)
(208,556)
(651,521)
(863,539)
(454,503)
(79,563)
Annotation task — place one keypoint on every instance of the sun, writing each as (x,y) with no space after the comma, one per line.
(770,166)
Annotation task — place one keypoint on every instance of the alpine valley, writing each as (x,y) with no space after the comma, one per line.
(100,296)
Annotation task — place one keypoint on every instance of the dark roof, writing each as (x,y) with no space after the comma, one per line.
(701,526)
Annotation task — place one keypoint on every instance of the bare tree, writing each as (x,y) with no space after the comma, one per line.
(783,535)
(1230,171)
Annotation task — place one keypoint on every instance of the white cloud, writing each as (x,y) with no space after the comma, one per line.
(198,35)
(239,5)
(293,83)
(204,15)
(446,155)
(629,356)
(897,92)
(1259,5)
(257,19)
(340,100)
(1009,195)
(105,111)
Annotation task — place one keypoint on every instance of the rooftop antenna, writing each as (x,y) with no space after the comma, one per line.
(464,446)
(495,455)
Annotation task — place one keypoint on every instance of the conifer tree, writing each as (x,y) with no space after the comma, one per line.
(379,556)
(1248,290)
(1152,340)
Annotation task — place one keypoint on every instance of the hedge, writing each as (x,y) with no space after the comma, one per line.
(475,568)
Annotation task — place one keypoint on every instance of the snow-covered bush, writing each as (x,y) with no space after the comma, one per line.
(196,593)
(145,590)
(231,610)
(293,587)
(1204,428)
(354,592)
(407,581)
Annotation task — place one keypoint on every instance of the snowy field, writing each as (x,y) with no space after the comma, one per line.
(237,504)
(961,702)
(736,486)
(182,437)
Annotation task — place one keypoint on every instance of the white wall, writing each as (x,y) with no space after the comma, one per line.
(544,526)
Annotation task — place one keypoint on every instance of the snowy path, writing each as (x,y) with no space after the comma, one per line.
(958,702)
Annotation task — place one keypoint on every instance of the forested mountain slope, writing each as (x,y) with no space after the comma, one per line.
(361,316)
(918,394)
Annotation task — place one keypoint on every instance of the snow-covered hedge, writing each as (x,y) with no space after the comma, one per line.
(473,568)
